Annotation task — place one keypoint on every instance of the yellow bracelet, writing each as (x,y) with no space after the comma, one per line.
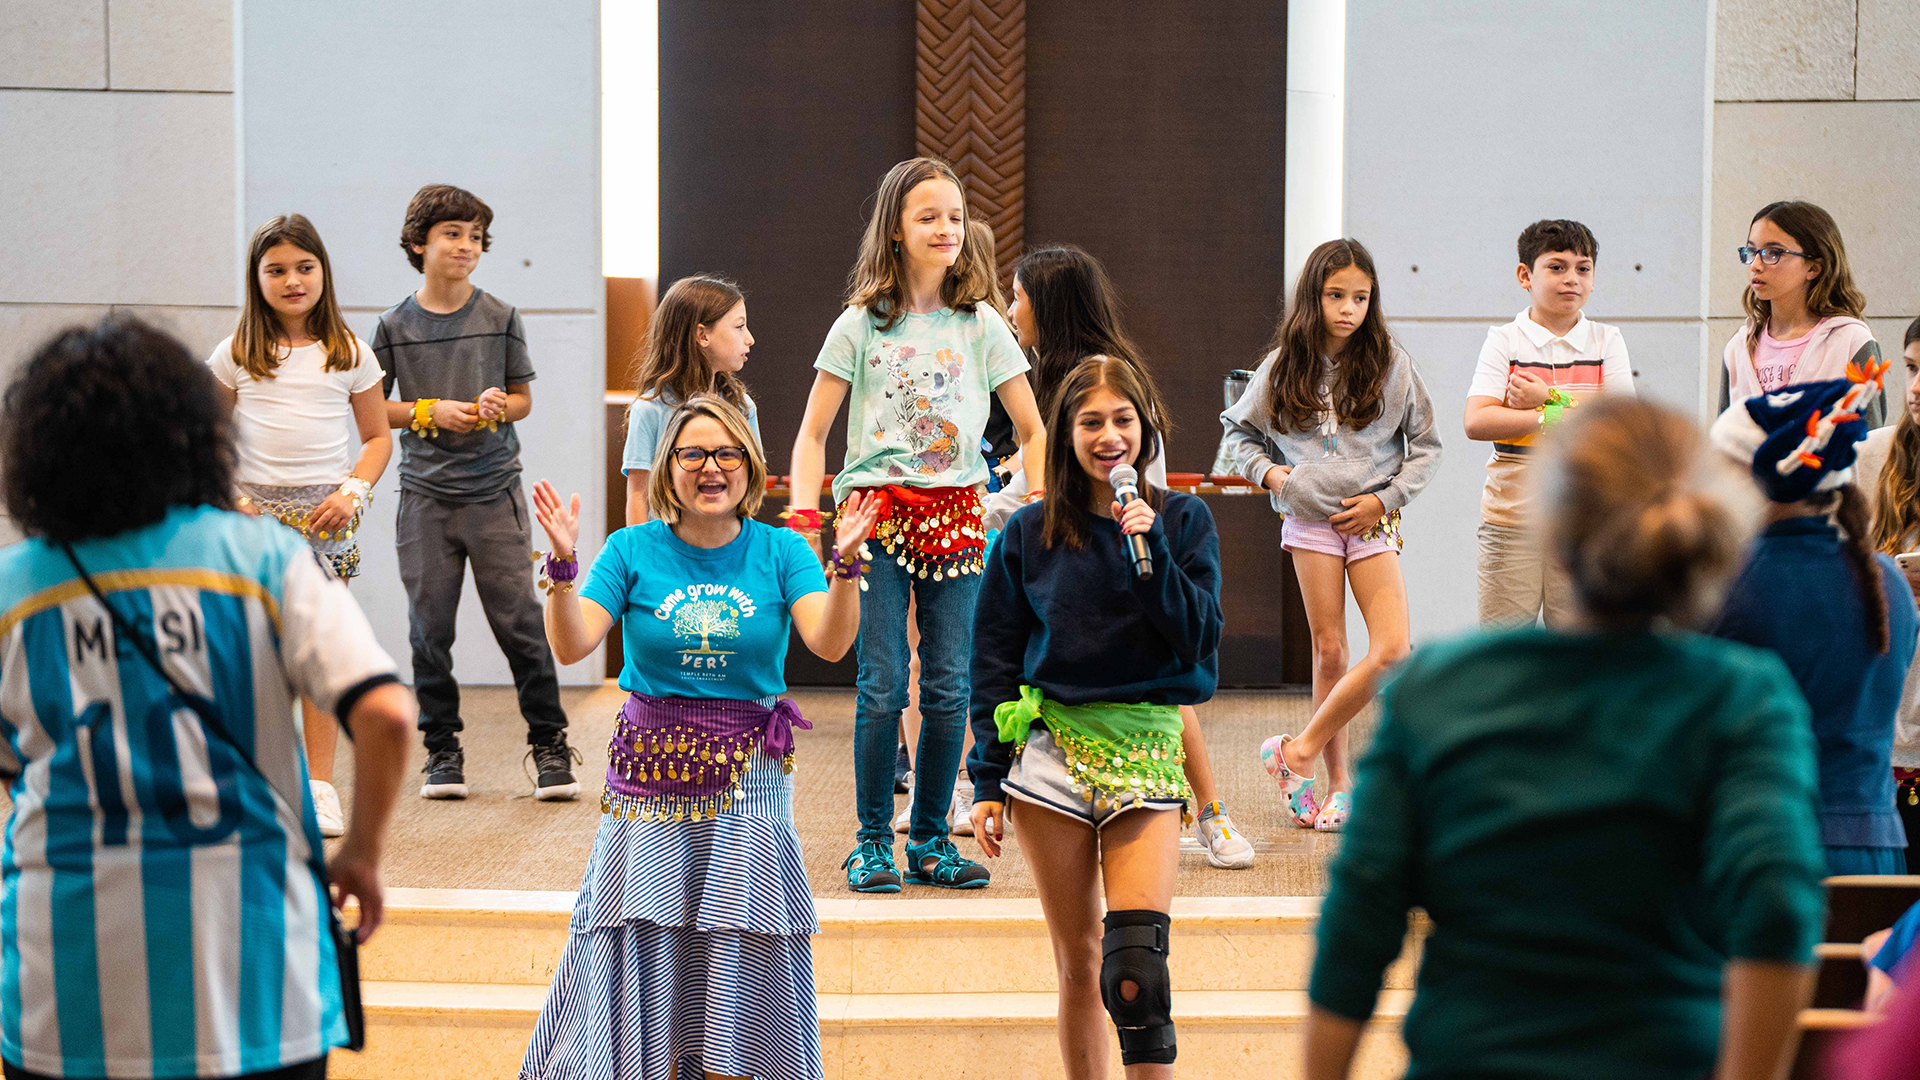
(423,424)
(490,425)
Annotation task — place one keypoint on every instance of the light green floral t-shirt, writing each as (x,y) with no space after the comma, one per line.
(920,394)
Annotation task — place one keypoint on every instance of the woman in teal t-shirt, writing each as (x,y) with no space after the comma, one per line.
(1612,827)
(689,941)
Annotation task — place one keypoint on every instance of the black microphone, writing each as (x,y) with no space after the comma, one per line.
(1126,489)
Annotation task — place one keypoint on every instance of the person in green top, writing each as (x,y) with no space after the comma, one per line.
(1612,827)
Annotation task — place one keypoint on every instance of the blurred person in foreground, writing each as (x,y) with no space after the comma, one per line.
(1611,824)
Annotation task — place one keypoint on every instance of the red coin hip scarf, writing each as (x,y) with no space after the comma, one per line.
(932,532)
(679,759)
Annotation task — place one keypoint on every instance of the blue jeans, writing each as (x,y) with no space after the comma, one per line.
(946,657)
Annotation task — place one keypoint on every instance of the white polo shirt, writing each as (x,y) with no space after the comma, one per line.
(1587,360)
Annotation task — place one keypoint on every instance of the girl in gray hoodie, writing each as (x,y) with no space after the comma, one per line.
(1337,425)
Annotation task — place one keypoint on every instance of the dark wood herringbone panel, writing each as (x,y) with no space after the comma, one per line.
(971,107)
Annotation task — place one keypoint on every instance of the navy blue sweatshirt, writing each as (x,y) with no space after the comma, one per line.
(1799,597)
(1078,626)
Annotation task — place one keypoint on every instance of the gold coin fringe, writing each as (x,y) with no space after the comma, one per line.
(1145,765)
(965,560)
(676,753)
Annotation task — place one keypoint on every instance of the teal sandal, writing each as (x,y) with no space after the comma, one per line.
(950,870)
(870,868)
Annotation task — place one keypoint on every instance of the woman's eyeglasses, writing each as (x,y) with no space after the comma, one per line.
(694,458)
(1770,256)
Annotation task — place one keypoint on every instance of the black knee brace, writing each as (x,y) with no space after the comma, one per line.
(1135,948)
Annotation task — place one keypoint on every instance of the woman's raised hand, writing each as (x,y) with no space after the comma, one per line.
(855,523)
(562,522)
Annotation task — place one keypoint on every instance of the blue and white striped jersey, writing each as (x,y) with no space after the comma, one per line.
(158,916)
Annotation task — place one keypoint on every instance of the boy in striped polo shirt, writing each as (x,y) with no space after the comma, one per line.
(162,896)
(1549,358)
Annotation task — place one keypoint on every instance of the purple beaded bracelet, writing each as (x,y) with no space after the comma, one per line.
(559,573)
(847,570)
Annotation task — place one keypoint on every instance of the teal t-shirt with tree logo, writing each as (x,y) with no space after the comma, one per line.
(703,622)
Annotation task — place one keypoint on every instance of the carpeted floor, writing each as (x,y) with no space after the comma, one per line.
(500,838)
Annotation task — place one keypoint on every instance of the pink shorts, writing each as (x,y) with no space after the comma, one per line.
(1322,537)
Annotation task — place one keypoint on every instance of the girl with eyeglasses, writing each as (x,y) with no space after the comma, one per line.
(1803,310)
(689,942)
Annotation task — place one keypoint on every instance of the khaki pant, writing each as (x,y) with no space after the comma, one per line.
(1518,582)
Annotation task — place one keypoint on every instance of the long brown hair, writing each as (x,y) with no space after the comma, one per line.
(1647,522)
(1849,509)
(256,341)
(1831,292)
(1360,374)
(1069,488)
(670,359)
(1896,514)
(878,281)
(979,246)
(1076,314)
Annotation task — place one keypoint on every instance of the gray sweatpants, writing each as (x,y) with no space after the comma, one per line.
(437,539)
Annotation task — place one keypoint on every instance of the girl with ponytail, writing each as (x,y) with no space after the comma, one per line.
(1617,797)
(1817,593)
(1889,476)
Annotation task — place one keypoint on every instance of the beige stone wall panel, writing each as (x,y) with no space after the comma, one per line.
(176,45)
(117,198)
(1859,160)
(1889,50)
(53,44)
(1784,50)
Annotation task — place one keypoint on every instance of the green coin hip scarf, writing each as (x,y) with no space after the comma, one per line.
(1115,752)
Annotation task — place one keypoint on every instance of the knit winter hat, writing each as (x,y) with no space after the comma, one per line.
(1802,438)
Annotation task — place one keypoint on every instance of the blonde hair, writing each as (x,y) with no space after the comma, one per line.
(662,500)
(979,247)
(1831,292)
(878,281)
(1896,512)
(256,341)
(1649,523)
(670,359)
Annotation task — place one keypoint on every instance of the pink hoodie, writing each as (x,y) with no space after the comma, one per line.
(1833,341)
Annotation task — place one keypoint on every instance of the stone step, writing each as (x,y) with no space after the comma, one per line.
(442,1031)
(870,945)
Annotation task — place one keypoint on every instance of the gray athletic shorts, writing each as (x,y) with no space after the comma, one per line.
(1040,776)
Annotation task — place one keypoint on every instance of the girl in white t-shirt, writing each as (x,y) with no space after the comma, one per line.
(299,384)
(697,342)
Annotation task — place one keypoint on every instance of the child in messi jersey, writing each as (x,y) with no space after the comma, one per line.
(162,826)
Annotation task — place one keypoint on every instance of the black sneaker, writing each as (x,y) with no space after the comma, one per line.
(901,767)
(446,775)
(553,767)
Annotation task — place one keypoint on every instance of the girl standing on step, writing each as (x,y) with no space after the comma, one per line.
(1355,438)
(1814,591)
(1064,311)
(688,948)
(697,342)
(918,350)
(1803,310)
(1610,824)
(1080,667)
(296,379)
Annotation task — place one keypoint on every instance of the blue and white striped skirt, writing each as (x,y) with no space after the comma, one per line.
(690,944)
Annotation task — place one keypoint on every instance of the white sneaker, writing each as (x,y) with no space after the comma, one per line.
(1226,848)
(902,821)
(962,814)
(326,807)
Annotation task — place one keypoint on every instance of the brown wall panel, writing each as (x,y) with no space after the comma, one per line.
(777,121)
(1156,139)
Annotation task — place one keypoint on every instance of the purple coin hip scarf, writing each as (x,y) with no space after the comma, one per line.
(681,759)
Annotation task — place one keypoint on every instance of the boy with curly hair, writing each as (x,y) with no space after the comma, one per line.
(457,372)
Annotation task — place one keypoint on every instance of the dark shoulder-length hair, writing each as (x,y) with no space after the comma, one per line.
(1076,314)
(107,427)
(1301,340)
(1069,497)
